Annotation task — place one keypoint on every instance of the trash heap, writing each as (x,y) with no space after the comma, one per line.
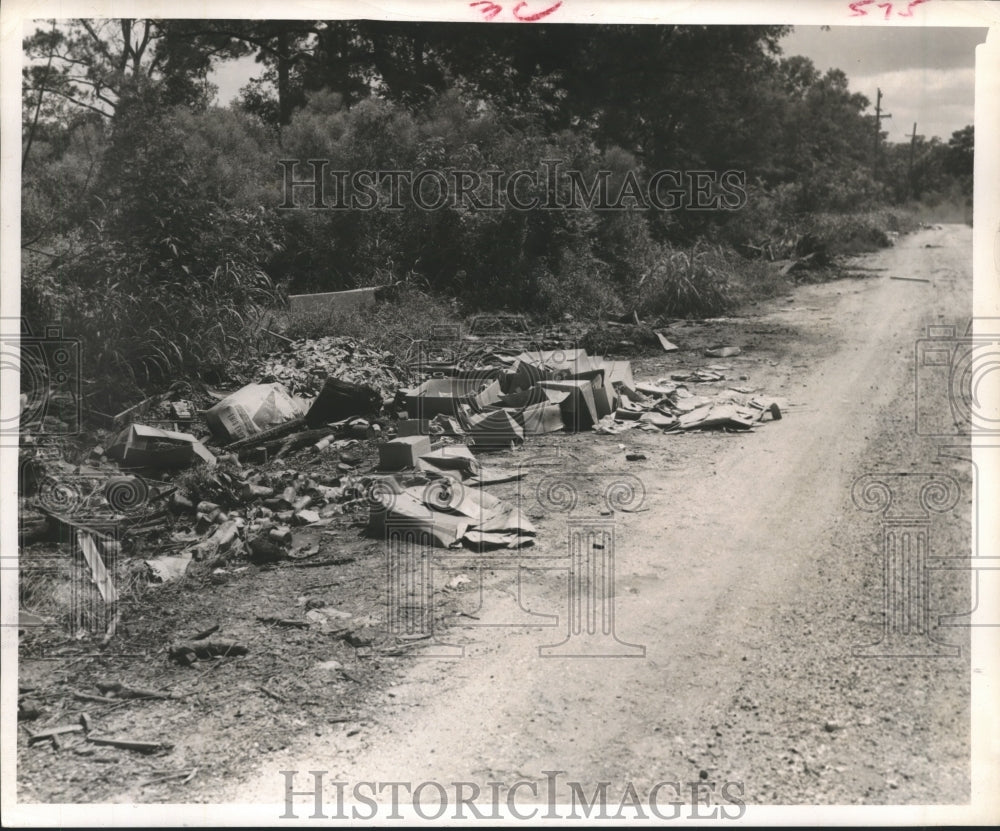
(504,399)
(303,366)
(329,428)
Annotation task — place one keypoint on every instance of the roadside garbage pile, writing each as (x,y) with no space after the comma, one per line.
(304,366)
(329,432)
(507,397)
(668,405)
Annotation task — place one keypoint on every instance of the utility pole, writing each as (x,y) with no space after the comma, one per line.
(913,144)
(879,115)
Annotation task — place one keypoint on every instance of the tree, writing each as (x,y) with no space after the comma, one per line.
(961,152)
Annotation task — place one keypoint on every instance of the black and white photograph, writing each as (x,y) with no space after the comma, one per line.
(506,412)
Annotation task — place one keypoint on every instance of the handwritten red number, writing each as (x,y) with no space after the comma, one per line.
(856,9)
(888,9)
(531,18)
(909,8)
(489,10)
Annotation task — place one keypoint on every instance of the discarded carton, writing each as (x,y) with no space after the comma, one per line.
(498,428)
(403,452)
(579,410)
(142,446)
(443,396)
(413,427)
(719,415)
(405,517)
(558,364)
(340,399)
(251,410)
(544,417)
(453,460)
(604,401)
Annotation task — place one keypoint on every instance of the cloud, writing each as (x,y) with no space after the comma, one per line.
(869,49)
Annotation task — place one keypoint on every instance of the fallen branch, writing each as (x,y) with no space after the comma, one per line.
(186,775)
(204,633)
(340,561)
(121,691)
(284,621)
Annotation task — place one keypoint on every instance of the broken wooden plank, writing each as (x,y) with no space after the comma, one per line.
(100,699)
(129,744)
(52,732)
(98,572)
(666,344)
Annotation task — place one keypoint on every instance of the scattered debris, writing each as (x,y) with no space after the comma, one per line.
(188,653)
(723,352)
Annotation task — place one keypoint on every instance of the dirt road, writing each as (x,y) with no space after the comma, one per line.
(750,579)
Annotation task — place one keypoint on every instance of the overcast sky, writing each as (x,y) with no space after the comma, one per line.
(927,75)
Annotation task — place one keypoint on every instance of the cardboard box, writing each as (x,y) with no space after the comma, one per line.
(538,419)
(443,396)
(142,446)
(618,376)
(403,452)
(558,364)
(579,410)
(498,428)
(604,400)
(413,427)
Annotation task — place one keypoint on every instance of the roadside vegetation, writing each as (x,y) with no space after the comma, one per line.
(152,225)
